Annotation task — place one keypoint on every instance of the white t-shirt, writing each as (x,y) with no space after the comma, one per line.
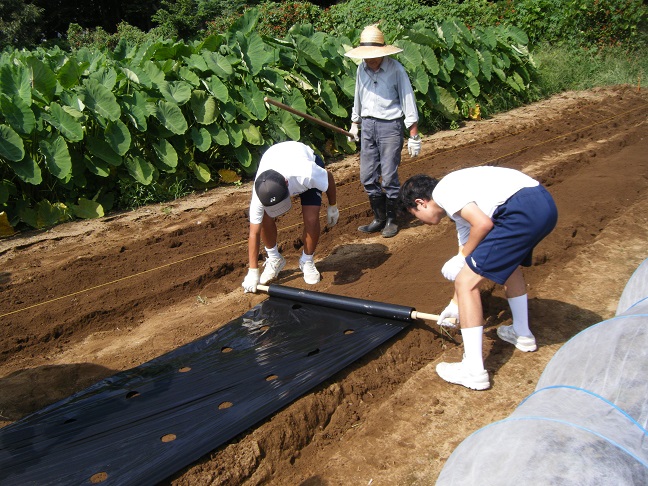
(488,187)
(296,162)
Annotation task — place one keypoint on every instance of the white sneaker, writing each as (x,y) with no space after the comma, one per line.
(523,343)
(458,374)
(311,275)
(272,267)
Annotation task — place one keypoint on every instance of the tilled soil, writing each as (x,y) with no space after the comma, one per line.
(86,299)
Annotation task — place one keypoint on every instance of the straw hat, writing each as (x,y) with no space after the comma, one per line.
(372,44)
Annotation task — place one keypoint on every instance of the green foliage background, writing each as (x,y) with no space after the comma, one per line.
(103,120)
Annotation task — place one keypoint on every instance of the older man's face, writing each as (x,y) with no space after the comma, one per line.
(374,63)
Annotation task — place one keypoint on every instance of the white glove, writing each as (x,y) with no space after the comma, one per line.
(354,131)
(452,267)
(450,312)
(251,280)
(414,146)
(332,215)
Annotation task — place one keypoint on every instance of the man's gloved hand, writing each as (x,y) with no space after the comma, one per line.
(414,145)
(251,280)
(450,312)
(355,127)
(452,267)
(332,215)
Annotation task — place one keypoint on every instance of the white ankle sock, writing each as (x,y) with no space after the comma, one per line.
(305,258)
(520,312)
(472,341)
(273,252)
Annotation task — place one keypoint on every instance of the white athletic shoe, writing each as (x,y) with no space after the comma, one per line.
(523,343)
(458,374)
(271,269)
(311,275)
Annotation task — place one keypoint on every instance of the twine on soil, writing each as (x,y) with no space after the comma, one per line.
(412,161)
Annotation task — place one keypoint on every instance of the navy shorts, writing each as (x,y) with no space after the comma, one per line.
(313,197)
(519,225)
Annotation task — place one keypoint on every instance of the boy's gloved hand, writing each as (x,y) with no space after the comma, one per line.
(332,215)
(251,280)
(450,312)
(452,267)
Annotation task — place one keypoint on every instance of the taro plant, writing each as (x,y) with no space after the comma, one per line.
(79,129)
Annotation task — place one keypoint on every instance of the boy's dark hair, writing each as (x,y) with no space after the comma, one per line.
(416,187)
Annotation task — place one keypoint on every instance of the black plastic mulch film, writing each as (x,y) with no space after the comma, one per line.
(142,425)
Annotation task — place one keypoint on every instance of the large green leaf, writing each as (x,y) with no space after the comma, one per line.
(57,156)
(201,171)
(486,63)
(203,107)
(420,80)
(118,137)
(252,134)
(243,155)
(255,52)
(153,71)
(201,138)
(471,59)
(430,60)
(235,135)
(178,92)
(17,113)
(101,149)
(253,99)
(287,124)
(166,155)
(43,78)
(100,100)
(70,72)
(139,169)
(189,76)
(171,117)
(218,134)
(309,50)
(16,81)
(96,166)
(411,55)
(215,62)
(106,77)
(217,88)
(11,145)
(28,170)
(65,123)
(137,75)
(330,100)
(87,209)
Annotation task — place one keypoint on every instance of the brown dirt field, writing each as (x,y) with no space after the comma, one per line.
(86,299)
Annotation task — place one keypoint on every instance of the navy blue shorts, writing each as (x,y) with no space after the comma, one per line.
(519,225)
(313,197)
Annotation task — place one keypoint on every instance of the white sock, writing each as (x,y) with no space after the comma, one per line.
(520,312)
(273,252)
(472,341)
(305,258)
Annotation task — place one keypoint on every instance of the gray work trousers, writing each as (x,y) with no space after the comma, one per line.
(380,155)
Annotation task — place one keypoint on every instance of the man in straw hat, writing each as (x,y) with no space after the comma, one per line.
(285,170)
(383,101)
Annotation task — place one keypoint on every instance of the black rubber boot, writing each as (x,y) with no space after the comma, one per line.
(378,208)
(391,228)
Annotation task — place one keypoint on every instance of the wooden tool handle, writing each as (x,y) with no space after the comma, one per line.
(307,116)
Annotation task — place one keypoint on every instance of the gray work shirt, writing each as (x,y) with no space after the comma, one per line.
(385,94)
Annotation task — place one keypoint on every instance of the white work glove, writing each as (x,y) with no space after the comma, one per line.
(332,215)
(354,131)
(452,267)
(414,146)
(450,312)
(251,280)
